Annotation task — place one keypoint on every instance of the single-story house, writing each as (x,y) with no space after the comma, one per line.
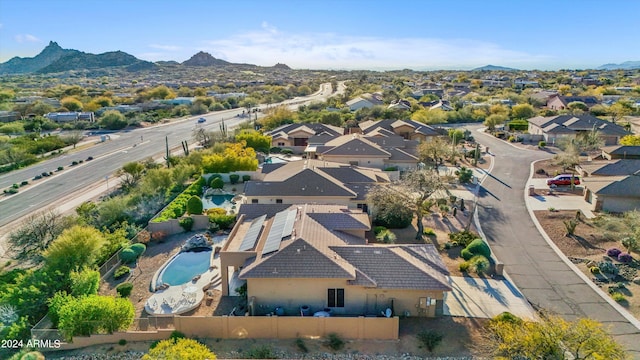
(612,185)
(311,257)
(559,102)
(60,117)
(621,152)
(313,181)
(553,128)
(297,136)
(364,101)
(408,129)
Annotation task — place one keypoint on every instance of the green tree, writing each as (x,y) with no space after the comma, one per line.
(179,348)
(577,107)
(71,104)
(74,250)
(630,140)
(85,282)
(130,174)
(522,111)
(255,140)
(427,116)
(494,120)
(278,116)
(434,151)
(113,120)
(161,92)
(95,314)
(619,110)
(194,205)
(332,118)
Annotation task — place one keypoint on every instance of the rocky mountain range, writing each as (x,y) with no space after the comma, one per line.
(53,59)
(627,65)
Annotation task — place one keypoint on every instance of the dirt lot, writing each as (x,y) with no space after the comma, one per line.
(588,246)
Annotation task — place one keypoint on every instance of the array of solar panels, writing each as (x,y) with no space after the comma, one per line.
(281,227)
(250,238)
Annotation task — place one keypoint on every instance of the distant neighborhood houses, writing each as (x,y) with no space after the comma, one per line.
(558,102)
(61,117)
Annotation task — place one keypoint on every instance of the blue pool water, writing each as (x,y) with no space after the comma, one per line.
(217,201)
(274,160)
(184,267)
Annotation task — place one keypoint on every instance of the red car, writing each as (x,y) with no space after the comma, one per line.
(564,179)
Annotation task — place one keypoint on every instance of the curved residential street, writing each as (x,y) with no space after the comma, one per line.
(532,264)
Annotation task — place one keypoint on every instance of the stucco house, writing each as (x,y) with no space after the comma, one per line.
(364,101)
(316,257)
(296,136)
(559,102)
(408,129)
(621,152)
(613,185)
(553,128)
(313,181)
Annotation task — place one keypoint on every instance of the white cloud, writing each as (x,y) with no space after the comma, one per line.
(165,47)
(328,50)
(21,38)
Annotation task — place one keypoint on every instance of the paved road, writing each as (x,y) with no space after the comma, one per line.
(535,268)
(109,156)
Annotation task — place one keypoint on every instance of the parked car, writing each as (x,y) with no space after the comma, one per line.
(564,179)
(201,120)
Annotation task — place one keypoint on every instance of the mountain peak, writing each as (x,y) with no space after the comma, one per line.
(204,59)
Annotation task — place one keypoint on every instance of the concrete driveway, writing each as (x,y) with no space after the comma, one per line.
(485,298)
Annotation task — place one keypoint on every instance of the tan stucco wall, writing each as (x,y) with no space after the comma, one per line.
(374,162)
(172,226)
(290,294)
(618,204)
(299,199)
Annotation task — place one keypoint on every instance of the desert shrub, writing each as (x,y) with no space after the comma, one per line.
(186,223)
(122,342)
(85,282)
(179,349)
(175,335)
(378,229)
(286,151)
(194,205)
(614,252)
(463,238)
(214,176)
(121,271)
(479,264)
(479,247)
(275,150)
(507,317)
(618,297)
(608,268)
(541,171)
(216,183)
(429,339)
(32,355)
(428,231)
(570,226)
(222,221)
(386,236)
(301,345)
(625,257)
(542,144)
(233,178)
(246,178)
(124,289)
(334,341)
(594,270)
(128,255)
(466,254)
(391,168)
(138,248)
(261,352)
(464,266)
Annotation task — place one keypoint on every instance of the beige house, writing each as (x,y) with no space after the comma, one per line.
(552,128)
(407,129)
(613,185)
(310,258)
(297,136)
(313,181)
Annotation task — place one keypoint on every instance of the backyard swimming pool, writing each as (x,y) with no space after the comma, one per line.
(217,201)
(184,267)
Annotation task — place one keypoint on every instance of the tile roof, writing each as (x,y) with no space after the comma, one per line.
(622,150)
(585,122)
(624,186)
(612,168)
(390,124)
(353,145)
(313,128)
(393,267)
(342,221)
(252,211)
(400,155)
(305,183)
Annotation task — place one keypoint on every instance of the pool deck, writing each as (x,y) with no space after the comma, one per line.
(179,299)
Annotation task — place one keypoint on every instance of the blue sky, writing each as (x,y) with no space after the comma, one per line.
(333,34)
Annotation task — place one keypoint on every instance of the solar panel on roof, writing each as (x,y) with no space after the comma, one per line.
(249,240)
(288,226)
(275,233)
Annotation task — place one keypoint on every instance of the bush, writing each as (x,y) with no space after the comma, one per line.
(214,176)
(386,236)
(541,171)
(614,252)
(121,271)
(479,264)
(429,339)
(128,256)
(124,289)
(507,317)
(608,268)
(175,335)
(186,223)
(261,352)
(542,144)
(428,231)
(391,168)
(625,258)
(275,150)
(464,267)
(301,345)
(194,205)
(122,342)
(24,183)
(466,254)
(594,270)
(222,221)
(378,229)
(138,248)
(246,178)
(479,247)
(216,183)
(618,297)
(60,168)
(463,238)
(234,178)
(286,151)
(334,341)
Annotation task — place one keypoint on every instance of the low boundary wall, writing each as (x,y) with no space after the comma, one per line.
(255,327)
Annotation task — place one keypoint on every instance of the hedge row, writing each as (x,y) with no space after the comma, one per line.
(178,206)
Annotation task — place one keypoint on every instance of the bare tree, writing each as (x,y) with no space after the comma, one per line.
(36,232)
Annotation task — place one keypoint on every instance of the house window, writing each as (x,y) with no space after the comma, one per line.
(335,298)
(278,201)
(354,163)
(280,144)
(254,201)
